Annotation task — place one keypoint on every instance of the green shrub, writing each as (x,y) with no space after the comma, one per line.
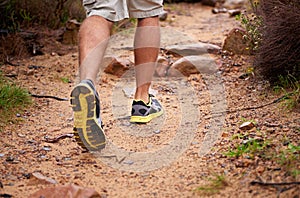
(13,99)
(24,13)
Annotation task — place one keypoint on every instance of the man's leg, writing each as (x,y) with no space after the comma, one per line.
(93,38)
(146,48)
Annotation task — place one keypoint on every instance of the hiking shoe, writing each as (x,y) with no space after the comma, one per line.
(143,113)
(88,129)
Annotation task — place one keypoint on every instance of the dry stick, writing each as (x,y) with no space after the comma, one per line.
(274,184)
(257,107)
(56,139)
(10,63)
(51,97)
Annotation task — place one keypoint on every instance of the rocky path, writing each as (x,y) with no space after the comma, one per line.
(170,157)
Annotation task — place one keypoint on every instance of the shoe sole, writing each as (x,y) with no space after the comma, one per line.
(145,119)
(88,133)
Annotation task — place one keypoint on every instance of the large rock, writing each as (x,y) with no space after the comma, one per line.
(70,191)
(193,49)
(116,66)
(194,65)
(234,4)
(236,43)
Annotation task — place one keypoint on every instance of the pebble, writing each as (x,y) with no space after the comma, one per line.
(247,126)
(47,148)
(260,169)
(129,162)
(39,176)
(157,131)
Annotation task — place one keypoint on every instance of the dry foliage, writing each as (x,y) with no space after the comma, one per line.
(279,51)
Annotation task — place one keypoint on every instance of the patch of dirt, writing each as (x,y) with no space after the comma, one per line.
(25,150)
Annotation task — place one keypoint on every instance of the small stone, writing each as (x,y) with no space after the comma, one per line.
(21,135)
(39,178)
(30,72)
(27,175)
(260,169)
(243,163)
(157,131)
(10,159)
(47,148)
(233,13)
(270,130)
(225,134)
(129,162)
(247,126)
(219,10)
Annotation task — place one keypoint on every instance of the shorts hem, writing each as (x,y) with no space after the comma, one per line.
(107,16)
(145,14)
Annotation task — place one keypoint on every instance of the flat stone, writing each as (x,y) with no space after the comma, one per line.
(193,49)
(247,126)
(195,65)
(39,178)
(70,190)
(234,4)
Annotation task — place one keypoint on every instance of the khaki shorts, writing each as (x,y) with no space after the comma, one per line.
(116,10)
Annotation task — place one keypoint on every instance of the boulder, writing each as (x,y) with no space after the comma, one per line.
(70,191)
(116,66)
(194,65)
(236,43)
(193,49)
(234,4)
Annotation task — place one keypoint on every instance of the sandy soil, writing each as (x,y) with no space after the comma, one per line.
(171,156)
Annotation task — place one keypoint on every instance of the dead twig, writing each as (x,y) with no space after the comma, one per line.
(60,137)
(274,183)
(256,107)
(51,97)
(7,61)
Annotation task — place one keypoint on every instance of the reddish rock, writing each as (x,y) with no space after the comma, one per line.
(116,66)
(236,43)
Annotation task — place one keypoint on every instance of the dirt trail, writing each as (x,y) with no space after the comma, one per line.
(115,173)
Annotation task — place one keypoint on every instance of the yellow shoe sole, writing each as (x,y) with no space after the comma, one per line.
(88,133)
(145,119)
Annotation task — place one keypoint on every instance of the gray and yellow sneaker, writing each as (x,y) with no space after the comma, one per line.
(143,113)
(88,129)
